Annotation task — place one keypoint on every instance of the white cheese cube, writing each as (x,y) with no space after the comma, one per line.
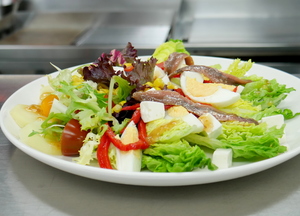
(58,107)
(239,89)
(275,120)
(151,110)
(278,121)
(165,79)
(222,158)
(212,126)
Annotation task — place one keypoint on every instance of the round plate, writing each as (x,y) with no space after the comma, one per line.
(29,94)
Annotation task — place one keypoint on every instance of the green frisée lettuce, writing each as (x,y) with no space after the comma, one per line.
(248,141)
(87,151)
(175,157)
(162,52)
(84,102)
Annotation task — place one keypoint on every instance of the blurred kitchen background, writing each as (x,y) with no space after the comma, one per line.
(72,32)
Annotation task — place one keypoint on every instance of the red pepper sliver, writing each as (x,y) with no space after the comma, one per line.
(177,76)
(179,90)
(161,65)
(136,116)
(102,152)
(142,130)
(141,144)
(133,107)
(128,68)
(168,106)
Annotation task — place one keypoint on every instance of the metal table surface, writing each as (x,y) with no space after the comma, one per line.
(29,187)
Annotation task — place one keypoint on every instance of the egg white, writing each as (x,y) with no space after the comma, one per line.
(220,98)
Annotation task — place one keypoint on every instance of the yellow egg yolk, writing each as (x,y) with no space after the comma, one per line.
(199,89)
(177,111)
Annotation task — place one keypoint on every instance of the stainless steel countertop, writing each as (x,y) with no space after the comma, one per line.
(29,187)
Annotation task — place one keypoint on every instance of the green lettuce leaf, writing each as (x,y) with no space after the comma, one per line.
(162,52)
(246,140)
(167,130)
(123,90)
(239,69)
(265,93)
(243,108)
(175,157)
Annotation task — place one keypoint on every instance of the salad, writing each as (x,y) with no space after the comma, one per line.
(162,113)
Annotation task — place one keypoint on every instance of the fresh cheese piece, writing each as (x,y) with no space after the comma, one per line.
(151,110)
(212,126)
(278,121)
(239,89)
(222,158)
(129,161)
(275,120)
(165,79)
(58,107)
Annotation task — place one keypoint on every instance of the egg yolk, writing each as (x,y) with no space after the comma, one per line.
(199,89)
(207,122)
(177,111)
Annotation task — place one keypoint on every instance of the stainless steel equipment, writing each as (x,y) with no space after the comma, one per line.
(74,32)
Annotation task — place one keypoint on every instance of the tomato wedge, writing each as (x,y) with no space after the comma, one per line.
(72,138)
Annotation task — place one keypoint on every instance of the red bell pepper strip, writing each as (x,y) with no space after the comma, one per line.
(161,65)
(141,144)
(133,107)
(136,117)
(128,68)
(168,106)
(179,90)
(142,130)
(102,152)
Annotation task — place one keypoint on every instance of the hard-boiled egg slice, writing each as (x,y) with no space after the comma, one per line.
(212,126)
(176,112)
(158,73)
(219,95)
(189,118)
(129,161)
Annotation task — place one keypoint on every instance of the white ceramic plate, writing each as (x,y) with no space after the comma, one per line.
(29,94)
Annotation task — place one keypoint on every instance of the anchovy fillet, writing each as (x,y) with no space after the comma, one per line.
(168,97)
(213,74)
